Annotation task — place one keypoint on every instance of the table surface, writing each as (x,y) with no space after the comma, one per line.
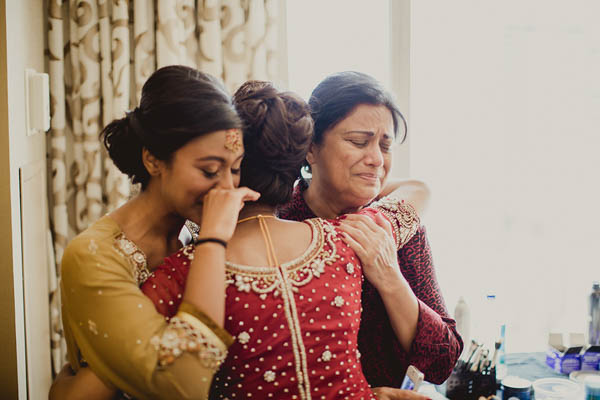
(530,366)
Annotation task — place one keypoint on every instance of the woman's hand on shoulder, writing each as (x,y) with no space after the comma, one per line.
(221,208)
(373,242)
(415,192)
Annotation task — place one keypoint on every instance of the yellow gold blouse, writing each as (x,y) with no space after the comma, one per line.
(114,328)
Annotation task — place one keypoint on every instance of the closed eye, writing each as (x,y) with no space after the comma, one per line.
(359,143)
(209,174)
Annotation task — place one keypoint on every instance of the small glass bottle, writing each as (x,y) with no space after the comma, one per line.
(594,315)
(495,331)
(462,316)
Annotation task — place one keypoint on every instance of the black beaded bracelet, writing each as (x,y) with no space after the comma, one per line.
(211,240)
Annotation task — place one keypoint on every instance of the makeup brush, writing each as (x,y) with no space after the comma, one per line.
(467,354)
(483,360)
(475,363)
(472,350)
(495,357)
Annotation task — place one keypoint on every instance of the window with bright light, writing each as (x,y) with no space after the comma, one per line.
(505,130)
(503,126)
(336,35)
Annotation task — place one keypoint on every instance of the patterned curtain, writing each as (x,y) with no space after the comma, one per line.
(100,53)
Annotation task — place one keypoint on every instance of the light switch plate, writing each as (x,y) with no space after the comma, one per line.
(37,96)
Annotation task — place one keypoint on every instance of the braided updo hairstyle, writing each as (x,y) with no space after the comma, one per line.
(178,104)
(278,131)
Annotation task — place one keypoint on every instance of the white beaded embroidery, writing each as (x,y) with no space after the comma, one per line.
(338,301)
(350,268)
(243,337)
(269,376)
(93,247)
(263,280)
(92,327)
(136,257)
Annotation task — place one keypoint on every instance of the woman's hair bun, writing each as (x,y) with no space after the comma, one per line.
(277,134)
(124,147)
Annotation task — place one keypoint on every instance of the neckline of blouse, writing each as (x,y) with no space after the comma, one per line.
(316,243)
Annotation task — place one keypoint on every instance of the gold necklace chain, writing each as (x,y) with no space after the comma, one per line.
(255,217)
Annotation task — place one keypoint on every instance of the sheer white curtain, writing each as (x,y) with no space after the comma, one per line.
(504,127)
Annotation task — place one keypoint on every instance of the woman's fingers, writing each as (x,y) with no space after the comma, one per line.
(220,197)
(379,226)
(375,248)
(385,224)
(221,209)
(364,221)
(387,393)
(248,194)
(354,245)
(355,231)
(369,234)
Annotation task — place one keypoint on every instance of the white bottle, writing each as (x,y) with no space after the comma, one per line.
(462,316)
(495,330)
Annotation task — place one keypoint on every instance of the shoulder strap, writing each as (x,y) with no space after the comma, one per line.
(268,242)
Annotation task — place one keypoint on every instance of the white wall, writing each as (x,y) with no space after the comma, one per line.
(25,49)
(505,129)
(400,64)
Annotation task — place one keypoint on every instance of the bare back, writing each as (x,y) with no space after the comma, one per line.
(247,246)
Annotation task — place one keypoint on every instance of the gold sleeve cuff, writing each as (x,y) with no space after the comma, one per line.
(208,321)
(186,334)
(403,217)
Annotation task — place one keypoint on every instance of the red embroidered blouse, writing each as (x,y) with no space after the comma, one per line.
(296,326)
(437,344)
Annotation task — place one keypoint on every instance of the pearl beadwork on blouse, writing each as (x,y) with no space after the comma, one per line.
(350,268)
(338,301)
(269,376)
(300,318)
(243,337)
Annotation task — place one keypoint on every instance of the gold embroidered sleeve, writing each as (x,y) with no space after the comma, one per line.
(186,333)
(110,323)
(208,321)
(403,217)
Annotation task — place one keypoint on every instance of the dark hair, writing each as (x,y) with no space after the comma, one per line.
(338,94)
(277,135)
(178,104)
